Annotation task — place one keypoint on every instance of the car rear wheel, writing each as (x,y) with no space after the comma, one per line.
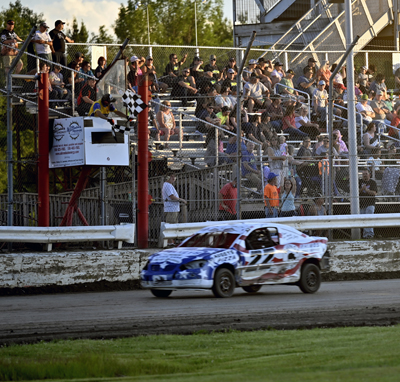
(224,283)
(252,288)
(310,279)
(160,292)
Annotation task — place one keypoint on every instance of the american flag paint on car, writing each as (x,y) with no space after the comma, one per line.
(246,255)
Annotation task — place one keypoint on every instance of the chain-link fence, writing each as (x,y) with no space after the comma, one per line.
(186,139)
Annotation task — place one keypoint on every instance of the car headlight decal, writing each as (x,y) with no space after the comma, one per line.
(193,265)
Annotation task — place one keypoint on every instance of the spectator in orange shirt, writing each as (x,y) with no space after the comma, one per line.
(271,196)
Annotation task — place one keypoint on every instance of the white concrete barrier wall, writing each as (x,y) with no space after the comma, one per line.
(35,270)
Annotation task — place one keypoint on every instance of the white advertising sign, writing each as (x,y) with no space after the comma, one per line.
(68,143)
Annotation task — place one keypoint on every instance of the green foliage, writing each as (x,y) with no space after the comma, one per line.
(24,18)
(79,35)
(173,23)
(102,37)
(341,354)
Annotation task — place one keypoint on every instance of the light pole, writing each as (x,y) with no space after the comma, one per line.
(138,5)
(195,24)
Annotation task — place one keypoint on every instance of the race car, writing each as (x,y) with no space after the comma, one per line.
(246,255)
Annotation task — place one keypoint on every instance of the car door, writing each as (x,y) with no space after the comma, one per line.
(262,245)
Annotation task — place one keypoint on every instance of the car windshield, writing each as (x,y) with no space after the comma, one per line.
(211,240)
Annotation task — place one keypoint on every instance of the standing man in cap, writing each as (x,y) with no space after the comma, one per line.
(43,42)
(320,102)
(227,201)
(172,68)
(10,38)
(59,38)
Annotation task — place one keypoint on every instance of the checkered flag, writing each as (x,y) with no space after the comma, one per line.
(133,102)
(122,129)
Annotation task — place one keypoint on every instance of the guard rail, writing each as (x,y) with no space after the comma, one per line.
(49,235)
(182,231)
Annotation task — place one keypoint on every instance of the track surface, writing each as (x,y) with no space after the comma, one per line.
(137,312)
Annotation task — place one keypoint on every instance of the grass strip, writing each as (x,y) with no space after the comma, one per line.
(340,354)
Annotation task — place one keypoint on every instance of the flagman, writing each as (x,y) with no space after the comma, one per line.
(103,107)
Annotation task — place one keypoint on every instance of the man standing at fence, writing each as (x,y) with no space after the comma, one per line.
(10,40)
(367,192)
(171,200)
(59,39)
(227,201)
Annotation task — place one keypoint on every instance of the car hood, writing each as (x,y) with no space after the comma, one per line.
(182,255)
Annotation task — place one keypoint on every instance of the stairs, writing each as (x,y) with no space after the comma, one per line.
(322,28)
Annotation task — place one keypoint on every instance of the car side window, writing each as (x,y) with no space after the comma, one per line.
(259,239)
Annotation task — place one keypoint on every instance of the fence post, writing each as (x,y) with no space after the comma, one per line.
(43,160)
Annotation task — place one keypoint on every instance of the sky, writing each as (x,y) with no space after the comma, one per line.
(93,12)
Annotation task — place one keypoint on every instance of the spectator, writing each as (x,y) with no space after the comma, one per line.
(318,209)
(10,40)
(375,164)
(283,145)
(266,127)
(264,70)
(288,81)
(184,88)
(231,65)
(73,74)
(233,96)
(59,38)
(43,42)
(289,124)
(311,65)
(394,130)
(271,196)
(231,148)
(171,201)
(230,80)
(305,125)
(370,139)
(57,82)
(249,167)
(324,74)
(79,57)
(172,68)
(342,147)
(323,150)
(87,97)
(103,107)
(275,157)
(278,71)
(363,80)
(150,69)
(287,195)
(379,84)
(196,68)
(276,113)
(101,67)
(214,68)
(306,83)
(382,113)
(320,99)
(228,199)
(247,71)
(233,114)
(254,92)
(366,111)
(368,191)
(85,70)
(134,73)
(340,75)
(223,98)
(306,145)
(223,115)
(253,131)
(166,122)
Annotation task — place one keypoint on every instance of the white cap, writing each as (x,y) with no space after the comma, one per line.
(134,58)
(322,82)
(252,62)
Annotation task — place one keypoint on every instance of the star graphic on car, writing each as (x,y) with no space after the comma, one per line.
(184,274)
(163,265)
(203,273)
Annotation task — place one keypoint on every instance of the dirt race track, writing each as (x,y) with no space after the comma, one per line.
(137,312)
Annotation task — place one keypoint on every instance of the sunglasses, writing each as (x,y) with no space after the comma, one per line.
(213,59)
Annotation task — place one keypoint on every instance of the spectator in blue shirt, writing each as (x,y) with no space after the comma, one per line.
(249,167)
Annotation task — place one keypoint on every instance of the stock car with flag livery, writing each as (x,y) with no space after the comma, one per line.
(246,255)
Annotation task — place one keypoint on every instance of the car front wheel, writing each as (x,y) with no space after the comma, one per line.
(310,279)
(224,283)
(160,292)
(251,288)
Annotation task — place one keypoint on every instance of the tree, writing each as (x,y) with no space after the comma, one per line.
(24,18)
(78,34)
(102,37)
(173,23)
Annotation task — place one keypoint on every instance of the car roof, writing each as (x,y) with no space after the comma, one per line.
(245,228)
